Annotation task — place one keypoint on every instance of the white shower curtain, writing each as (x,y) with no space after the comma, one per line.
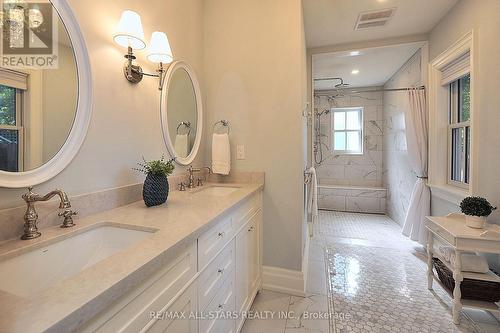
(416,139)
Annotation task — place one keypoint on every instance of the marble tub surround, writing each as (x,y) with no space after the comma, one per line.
(398,175)
(356,170)
(352,198)
(12,219)
(77,299)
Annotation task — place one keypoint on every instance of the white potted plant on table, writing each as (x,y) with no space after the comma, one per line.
(476,209)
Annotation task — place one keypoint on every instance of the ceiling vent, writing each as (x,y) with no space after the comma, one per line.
(374,18)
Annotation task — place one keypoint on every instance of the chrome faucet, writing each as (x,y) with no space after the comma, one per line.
(31,216)
(191,176)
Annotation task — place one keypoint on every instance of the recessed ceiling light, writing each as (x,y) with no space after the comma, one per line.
(355,71)
(354,53)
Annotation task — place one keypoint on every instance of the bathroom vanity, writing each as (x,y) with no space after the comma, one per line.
(192,265)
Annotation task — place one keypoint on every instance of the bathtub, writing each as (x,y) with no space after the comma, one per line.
(362,199)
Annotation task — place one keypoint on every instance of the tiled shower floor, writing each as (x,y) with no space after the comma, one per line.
(367,242)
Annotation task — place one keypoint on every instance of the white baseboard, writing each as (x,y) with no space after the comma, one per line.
(283,280)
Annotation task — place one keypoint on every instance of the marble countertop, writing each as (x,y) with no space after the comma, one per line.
(71,302)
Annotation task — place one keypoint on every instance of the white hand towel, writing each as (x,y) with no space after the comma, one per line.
(221,154)
(312,205)
(181,145)
(471,263)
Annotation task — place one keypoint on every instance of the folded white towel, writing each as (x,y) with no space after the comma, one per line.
(312,205)
(181,145)
(472,263)
(221,154)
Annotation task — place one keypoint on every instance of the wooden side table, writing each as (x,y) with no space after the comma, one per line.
(452,231)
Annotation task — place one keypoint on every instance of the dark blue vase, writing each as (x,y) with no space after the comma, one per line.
(155,190)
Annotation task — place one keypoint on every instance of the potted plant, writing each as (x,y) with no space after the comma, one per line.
(155,189)
(476,209)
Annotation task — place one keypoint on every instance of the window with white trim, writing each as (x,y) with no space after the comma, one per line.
(459,138)
(347,130)
(11,129)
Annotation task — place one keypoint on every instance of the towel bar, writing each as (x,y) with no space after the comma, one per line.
(187,124)
(224,123)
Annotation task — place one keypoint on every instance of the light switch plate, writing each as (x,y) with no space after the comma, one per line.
(240,152)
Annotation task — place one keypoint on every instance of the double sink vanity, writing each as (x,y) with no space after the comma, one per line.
(180,267)
(190,265)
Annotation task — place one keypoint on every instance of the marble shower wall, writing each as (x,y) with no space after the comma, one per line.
(398,176)
(354,170)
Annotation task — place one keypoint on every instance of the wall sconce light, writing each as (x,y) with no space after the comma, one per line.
(130,35)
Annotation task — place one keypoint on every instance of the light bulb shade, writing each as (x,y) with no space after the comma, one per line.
(129,32)
(159,50)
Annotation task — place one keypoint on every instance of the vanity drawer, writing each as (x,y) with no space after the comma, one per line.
(212,278)
(132,312)
(245,210)
(223,302)
(212,241)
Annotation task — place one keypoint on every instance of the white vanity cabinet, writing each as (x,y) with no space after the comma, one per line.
(219,274)
(247,264)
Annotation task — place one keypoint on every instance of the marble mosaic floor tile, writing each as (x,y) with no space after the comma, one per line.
(361,265)
(377,280)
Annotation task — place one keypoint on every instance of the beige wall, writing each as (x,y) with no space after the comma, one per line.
(126,121)
(253,68)
(482,16)
(59,99)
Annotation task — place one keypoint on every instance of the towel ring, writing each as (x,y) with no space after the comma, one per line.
(224,123)
(186,124)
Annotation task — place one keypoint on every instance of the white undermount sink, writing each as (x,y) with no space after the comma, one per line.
(42,267)
(219,191)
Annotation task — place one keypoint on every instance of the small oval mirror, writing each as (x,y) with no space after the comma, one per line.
(181,113)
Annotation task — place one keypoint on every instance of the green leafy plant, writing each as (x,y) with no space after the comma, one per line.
(476,206)
(156,167)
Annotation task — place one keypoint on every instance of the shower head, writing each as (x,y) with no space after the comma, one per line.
(341,84)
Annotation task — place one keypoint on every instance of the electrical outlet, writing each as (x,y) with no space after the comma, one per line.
(240,152)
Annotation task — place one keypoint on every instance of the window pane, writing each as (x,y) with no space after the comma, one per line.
(339,141)
(9,150)
(458,154)
(7,105)
(467,154)
(353,122)
(339,121)
(453,102)
(353,141)
(464,92)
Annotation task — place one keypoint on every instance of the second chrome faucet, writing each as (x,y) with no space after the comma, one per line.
(191,171)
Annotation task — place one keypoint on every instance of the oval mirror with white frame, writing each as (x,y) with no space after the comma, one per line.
(45,92)
(181,112)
